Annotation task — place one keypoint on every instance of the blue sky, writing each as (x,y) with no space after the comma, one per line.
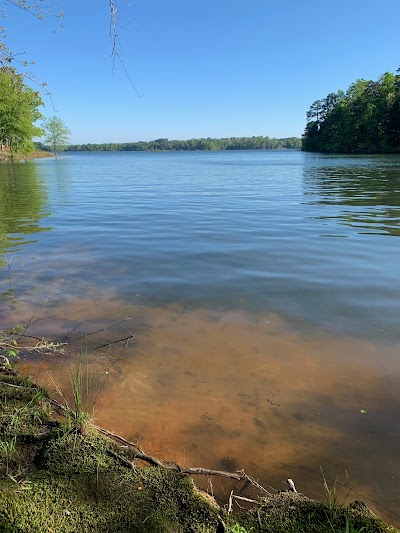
(213,68)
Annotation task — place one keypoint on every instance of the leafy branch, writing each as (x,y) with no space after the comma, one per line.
(13,341)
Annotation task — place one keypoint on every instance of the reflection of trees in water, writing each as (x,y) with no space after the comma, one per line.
(57,171)
(367,196)
(23,203)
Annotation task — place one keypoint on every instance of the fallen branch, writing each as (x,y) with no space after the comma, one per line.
(252,481)
(208,472)
(245,499)
(139,454)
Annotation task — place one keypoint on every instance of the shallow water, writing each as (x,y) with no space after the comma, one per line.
(264,294)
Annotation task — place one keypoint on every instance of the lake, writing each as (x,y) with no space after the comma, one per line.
(263,292)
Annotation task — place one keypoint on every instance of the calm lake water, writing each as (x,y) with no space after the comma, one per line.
(264,293)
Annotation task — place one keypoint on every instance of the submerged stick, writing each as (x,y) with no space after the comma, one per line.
(252,481)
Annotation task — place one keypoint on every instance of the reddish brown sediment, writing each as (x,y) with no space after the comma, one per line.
(231,390)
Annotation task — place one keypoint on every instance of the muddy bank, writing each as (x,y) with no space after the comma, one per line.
(59,474)
(36,154)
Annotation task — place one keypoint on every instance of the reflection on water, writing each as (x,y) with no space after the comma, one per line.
(23,204)
(248,230)
(233,390)
(367,192)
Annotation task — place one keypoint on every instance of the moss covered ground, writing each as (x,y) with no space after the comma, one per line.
(55,477)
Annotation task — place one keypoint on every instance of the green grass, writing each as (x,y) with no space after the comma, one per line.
(237,528)
(80,412)
(7,451)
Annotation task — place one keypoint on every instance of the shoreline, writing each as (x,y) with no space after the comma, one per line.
(60,472)
(36,154)
(275,402)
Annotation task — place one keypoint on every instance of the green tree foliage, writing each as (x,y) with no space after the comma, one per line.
(18,113)
(364,119)
(56,133)
(231,143)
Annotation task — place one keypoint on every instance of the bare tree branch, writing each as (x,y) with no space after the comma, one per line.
(116,48)
(12,63)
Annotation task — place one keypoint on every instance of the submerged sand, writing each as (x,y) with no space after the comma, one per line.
(230,390)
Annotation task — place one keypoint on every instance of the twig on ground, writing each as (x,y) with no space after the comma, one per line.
(11,385)
(252,481)
(245,499)
(230,503)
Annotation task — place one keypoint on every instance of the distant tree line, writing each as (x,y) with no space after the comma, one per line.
(232,143)
(364,119)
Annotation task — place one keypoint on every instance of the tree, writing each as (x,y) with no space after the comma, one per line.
(56,132)
(364,119)
(18,113)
